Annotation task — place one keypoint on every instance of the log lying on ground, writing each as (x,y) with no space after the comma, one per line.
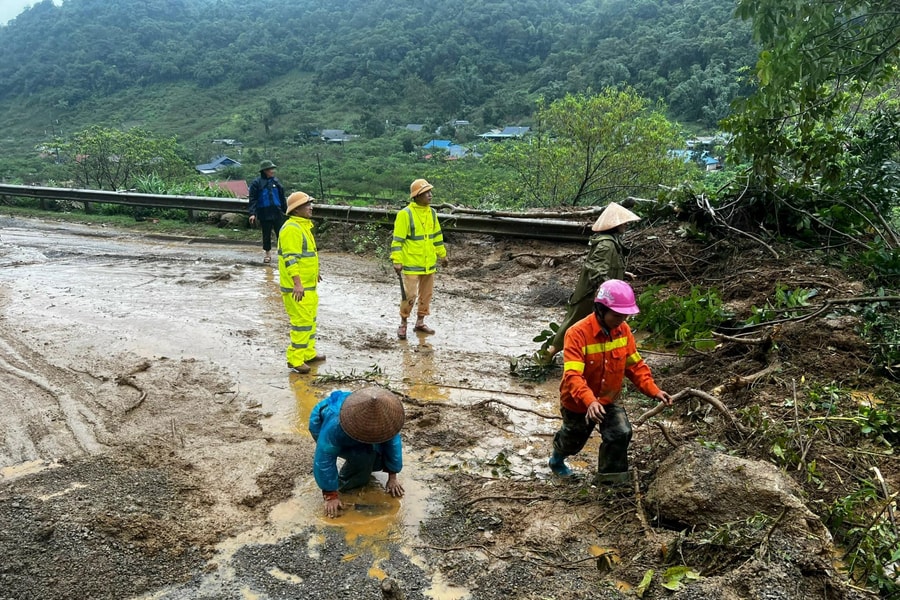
(688,392)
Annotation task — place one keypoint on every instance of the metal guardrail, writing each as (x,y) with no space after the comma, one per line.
(545,229)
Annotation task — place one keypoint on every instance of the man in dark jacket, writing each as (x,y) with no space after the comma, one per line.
(267,205)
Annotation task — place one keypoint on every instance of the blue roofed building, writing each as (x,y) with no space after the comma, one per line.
(438,145)
(219,163)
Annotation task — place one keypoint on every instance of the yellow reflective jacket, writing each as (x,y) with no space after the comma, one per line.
(418,241)
(297,254)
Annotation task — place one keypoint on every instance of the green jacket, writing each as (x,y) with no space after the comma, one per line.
(605,260)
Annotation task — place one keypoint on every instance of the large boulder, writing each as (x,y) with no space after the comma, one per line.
(697,489)
(696,486)
(232,220)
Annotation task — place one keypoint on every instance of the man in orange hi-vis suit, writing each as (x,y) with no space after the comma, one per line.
(598,353)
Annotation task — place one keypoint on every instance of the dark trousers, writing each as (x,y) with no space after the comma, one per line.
(359,464)
(268,226)
(615,432)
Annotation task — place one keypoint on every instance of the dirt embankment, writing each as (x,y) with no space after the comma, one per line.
(125,471)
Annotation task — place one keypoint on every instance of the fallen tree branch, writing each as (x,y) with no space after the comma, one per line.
(887,503)
(763,548)
(666,434)
(639,505)
(138,369)
(821,308)
(704,205)
(887,493)
(746,380)
(737,340)
(570,565)
(506,404)
(473,389)
(458,548)
(890,231)
(708,398)
(137,403)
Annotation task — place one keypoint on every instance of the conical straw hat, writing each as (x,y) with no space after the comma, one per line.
(372,415)
(613,216)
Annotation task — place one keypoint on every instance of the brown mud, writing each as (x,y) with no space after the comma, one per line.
(155,446)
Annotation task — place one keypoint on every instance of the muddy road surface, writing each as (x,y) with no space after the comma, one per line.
(155,445)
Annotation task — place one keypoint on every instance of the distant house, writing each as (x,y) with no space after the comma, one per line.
(227,142)
(686,155)
(336,136)
(704,158)
(710,162)
(460,123)
(506,133)
(221,162)
(415,127)
(456,152)
(237,187)
(438,145)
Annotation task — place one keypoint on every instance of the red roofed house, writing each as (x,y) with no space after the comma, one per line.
(237,187)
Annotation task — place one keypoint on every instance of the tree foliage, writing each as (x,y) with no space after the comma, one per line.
(818,62)
(102,158)
(447,57)
(820,132)
(593,148)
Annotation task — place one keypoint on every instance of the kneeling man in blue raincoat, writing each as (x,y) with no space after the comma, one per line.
(363,428)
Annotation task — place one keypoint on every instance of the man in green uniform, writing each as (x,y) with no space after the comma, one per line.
(605,260)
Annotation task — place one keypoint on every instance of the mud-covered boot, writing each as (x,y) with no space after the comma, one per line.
(612,479)
(558,465)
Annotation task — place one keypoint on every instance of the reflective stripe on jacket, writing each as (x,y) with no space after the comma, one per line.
(332,441)
(418,240)
(297,254)
(595,364)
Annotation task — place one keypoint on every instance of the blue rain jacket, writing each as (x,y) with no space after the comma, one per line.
(332,442)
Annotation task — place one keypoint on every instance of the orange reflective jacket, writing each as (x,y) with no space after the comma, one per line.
(596,363)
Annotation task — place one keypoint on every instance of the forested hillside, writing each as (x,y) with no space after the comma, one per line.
(480,60)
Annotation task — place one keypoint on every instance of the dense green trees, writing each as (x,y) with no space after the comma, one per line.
(468,54)
(820,132)
(590,149)
(820,64)
(109,159)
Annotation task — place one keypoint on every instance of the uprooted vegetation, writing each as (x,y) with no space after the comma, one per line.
(784,364)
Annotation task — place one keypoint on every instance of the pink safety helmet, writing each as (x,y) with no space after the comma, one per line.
(617,295)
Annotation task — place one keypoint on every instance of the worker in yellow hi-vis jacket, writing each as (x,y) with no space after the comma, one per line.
(417,246)
(298,270)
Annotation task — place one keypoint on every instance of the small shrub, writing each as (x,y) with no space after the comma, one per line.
(860,524)
(687,320)
(881,330)
(783,305)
